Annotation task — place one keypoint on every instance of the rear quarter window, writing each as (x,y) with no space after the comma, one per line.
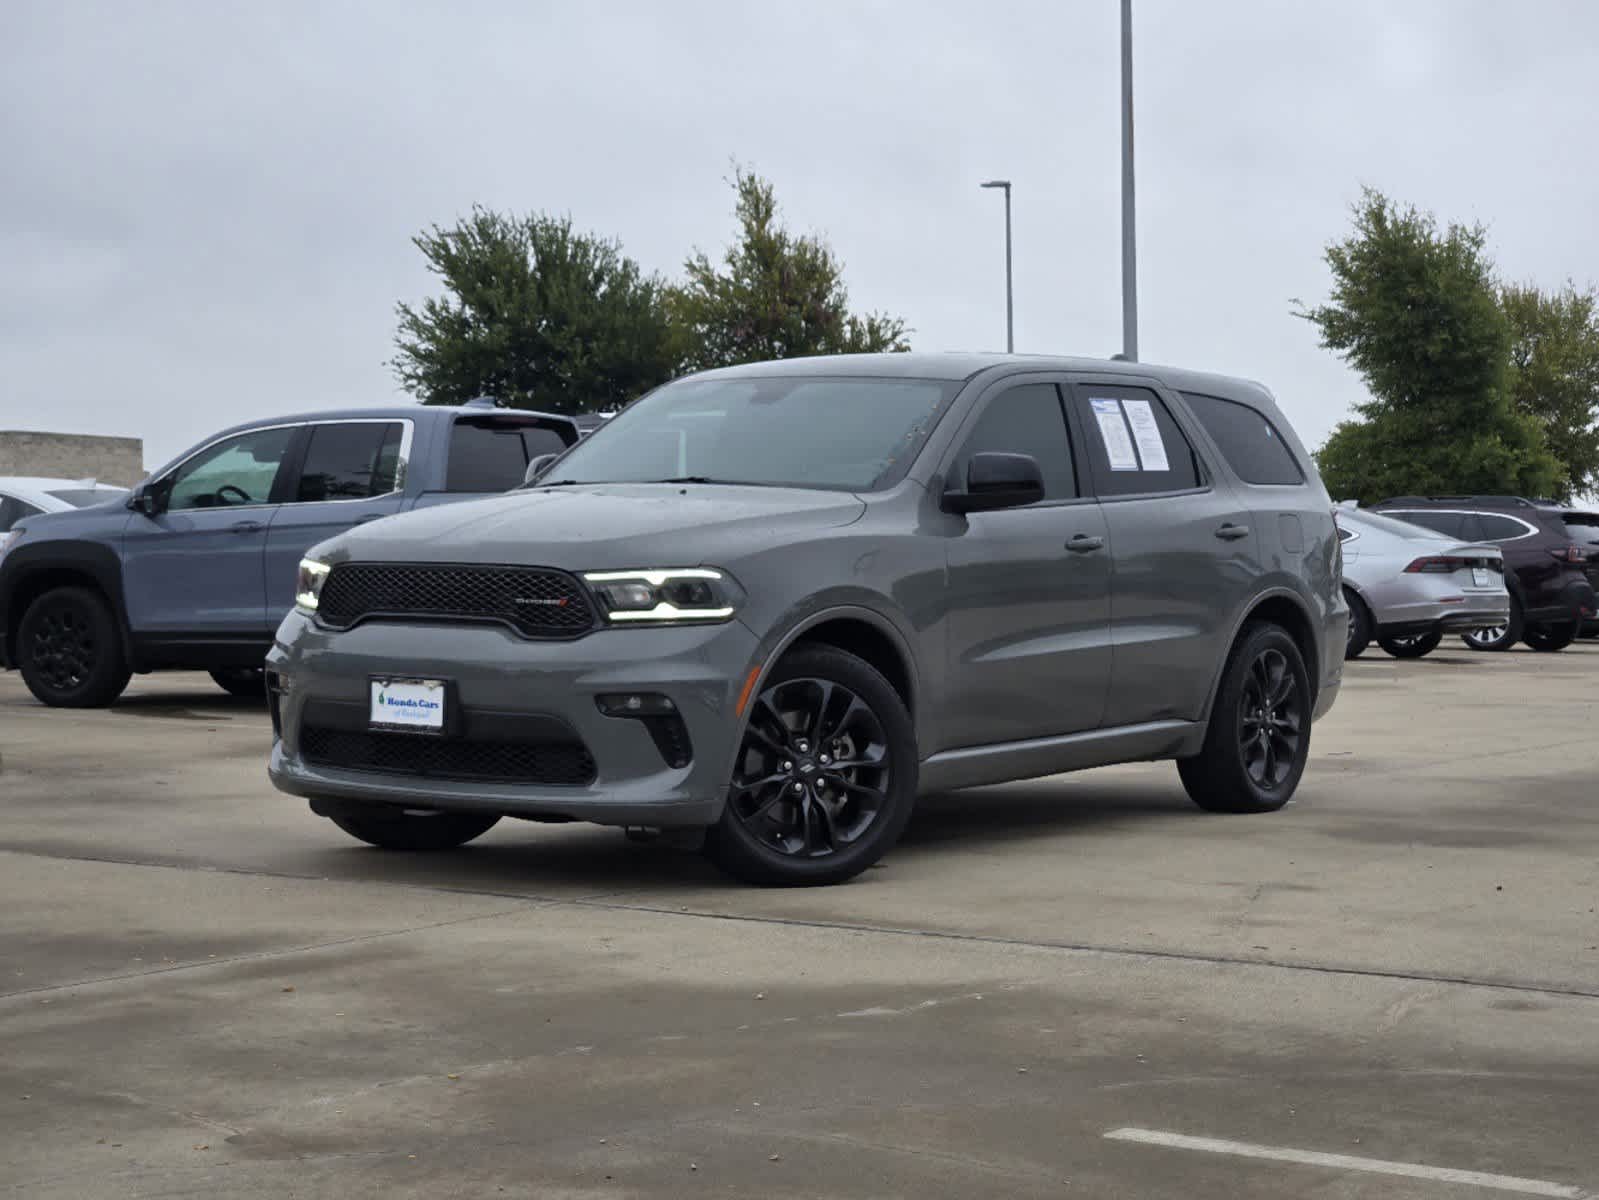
(1248,440)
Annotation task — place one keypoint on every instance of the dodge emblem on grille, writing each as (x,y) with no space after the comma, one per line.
(562,602)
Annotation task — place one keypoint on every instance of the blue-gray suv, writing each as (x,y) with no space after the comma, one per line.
(196,567)
(775,602)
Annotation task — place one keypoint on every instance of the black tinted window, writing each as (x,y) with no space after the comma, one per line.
(537,440)
(486,457)
(1344,535)
(1248,441)
(1024,420)
(1582,528)
(351,461)
(13,510)
(1494,528)
(1134,444)
(1450,524)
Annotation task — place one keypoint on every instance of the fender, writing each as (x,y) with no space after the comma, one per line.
(1237,626)
(95,561)
(774,645)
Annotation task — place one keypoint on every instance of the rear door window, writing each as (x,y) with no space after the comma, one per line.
(1447,523)
(1495,528)
(1248,441)
(1582,528)
(1027,419)
(1134,445)
(352,460)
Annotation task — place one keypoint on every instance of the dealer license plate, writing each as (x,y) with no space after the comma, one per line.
(408,704)
(1479,576)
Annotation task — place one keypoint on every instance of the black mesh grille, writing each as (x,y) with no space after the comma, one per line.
(534,601)
(567,763)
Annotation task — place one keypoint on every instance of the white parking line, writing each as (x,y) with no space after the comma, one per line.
(1346,1162)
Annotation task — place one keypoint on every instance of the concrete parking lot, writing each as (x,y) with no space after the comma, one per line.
(205,991)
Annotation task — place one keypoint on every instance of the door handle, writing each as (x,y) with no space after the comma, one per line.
(1082,544)
(1231,533)
(246,527)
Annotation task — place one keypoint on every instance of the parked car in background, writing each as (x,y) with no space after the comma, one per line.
(198,566)
(1407,586)
(1546,571)
(1582,526)
(25,496)
(775,601)
(588,422)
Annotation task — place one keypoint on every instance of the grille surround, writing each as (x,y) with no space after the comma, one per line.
(553,606)
(563,763)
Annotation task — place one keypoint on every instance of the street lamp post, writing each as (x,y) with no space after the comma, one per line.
(1010,311)
(1129,228)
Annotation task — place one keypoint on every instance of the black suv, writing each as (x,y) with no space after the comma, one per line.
(1548,570)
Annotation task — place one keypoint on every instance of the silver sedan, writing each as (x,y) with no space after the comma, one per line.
(1407,587)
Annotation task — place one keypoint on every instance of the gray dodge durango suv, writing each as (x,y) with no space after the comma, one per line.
(776,602)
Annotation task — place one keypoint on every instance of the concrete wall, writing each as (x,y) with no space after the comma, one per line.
(116,460)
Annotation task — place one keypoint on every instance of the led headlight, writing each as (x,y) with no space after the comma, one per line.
(308,588)
(659,595)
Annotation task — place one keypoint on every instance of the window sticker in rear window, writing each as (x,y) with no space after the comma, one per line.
(1113,429)
(1151,448)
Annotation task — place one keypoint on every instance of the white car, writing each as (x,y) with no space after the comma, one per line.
(22,496)
(1408,586)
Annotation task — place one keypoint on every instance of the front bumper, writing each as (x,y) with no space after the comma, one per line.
(496,675)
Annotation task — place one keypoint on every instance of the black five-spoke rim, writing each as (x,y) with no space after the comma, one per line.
(813,771)
(1270,718)
(63,648)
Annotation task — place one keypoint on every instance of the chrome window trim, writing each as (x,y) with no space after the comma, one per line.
(399,474)
(1532,530)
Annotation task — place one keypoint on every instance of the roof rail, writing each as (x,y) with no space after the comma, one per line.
(1504,501)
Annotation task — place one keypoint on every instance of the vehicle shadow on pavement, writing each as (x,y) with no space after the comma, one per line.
(191,706)
(985,816)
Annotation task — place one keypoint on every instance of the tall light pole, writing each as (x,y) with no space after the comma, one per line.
(1129,229)
(1010,311)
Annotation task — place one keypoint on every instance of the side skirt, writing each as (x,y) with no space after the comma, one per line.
(1007,761)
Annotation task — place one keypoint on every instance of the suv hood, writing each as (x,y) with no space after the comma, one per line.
(601,526)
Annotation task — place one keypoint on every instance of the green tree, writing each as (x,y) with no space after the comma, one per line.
(1554,357)
(534,314)
(774,295)
(1415,310)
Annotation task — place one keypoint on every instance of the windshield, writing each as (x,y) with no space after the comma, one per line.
(800,431)
(83,497)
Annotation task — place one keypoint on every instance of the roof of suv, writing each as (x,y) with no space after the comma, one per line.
(958,366)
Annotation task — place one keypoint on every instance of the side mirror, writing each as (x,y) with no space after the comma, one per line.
(537,467)
(995,480)
(145,498)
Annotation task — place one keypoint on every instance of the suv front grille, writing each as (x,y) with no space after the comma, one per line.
(534,601)
(554,763)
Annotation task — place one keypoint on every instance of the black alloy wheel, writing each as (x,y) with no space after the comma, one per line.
(1270,719)
(1549,638)
(1411,645)
(825,774)
(1258,738)
(70,650)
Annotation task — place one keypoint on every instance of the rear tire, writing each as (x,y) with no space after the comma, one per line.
(403,830)
(1360,625)
(825,778)
(246,682)
(70,651)
(1550,637)
(1259,736)
(1500,637)
(1417,645)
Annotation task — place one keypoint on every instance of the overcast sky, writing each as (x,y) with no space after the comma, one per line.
(205,207)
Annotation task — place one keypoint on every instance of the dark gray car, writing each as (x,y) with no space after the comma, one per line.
(777,601)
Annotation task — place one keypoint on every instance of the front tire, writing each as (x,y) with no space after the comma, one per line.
(1550,638)
(825,778)
(1259,736)
(70,650)
(414,831)
(1415,645)
(246,682)
(1360,625)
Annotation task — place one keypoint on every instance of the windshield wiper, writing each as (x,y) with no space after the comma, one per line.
(691,479)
